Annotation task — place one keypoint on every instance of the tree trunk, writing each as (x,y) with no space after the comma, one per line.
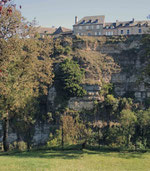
(99,142)
(28,146)
(5,133)
(18,140)
(29,139)
(128,140)
(62,138)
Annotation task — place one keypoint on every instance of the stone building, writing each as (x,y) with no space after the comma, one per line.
(53,32)
(96,26)
(46,31)
(90,26)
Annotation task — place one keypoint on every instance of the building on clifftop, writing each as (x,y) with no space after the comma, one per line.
(96,26)
(90,26)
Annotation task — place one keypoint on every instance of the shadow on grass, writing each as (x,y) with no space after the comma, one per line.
(74,153)
(48,154)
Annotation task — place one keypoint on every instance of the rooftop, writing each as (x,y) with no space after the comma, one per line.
(100,19)
(46,30)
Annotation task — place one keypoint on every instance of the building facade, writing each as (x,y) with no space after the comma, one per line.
(96,26)
(89,26)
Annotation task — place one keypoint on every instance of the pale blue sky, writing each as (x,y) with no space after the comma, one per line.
(62,12)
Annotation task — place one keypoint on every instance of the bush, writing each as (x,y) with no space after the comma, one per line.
(140,146)
(21,146)
(54,140)
(68,79)
(67,50)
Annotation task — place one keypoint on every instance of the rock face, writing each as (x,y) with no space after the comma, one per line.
(87,102)
(41,134)
(127,54)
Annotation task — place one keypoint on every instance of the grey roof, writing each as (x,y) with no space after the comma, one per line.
(46,30)
(131,23)
(100,19)
(62,30)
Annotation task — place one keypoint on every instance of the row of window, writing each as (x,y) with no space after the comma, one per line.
(109,33)
(128,31)
(89,27)
(89,34)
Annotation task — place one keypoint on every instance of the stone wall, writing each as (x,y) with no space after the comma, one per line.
(87,102)
(41,134)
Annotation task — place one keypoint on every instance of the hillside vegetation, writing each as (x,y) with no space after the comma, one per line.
(31,66)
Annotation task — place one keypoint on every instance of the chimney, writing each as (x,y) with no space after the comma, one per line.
(117,22)
(76,19)
(133,20)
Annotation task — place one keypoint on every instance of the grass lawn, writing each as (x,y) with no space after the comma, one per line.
(86,160)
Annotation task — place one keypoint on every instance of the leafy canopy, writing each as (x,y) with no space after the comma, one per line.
(68,79)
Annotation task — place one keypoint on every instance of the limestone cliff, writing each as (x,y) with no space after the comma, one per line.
(107,59)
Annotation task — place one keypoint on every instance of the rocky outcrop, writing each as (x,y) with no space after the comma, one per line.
(41,134)
(77,103)
(126,53)
(86,102)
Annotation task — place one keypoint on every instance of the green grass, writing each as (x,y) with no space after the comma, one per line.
(86,160)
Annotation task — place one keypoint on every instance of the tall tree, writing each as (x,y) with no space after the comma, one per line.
(26,71)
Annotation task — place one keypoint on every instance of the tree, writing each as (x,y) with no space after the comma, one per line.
(128,120)
(68,79)
(24,75)
(144,124)
(68,128)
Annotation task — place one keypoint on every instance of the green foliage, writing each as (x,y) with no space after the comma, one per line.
(67,50)
(21,146)
(54,139)
(144,125)
(59,50)
(115,137)
(128,120)
(68,79)
(26,71)
(106,89)
(125,103)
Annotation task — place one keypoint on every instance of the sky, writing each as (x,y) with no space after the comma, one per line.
(57,13)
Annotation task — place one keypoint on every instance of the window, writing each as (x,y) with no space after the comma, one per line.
(111,33)
(121,31)
(95,33)
(89,34)
(80,27)
(92,27)
(98,27)
(140,30)
(128,31)
(99,33)
(87,27)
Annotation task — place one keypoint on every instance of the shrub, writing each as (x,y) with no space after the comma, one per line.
(21,146)
(68,79)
